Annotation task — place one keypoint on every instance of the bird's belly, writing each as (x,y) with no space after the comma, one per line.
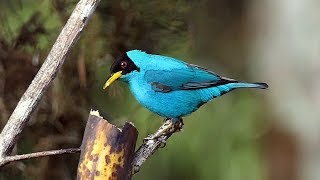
(172,104)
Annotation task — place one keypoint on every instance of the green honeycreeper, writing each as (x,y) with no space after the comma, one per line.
(170,87)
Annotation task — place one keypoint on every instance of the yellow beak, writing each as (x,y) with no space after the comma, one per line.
(113,77)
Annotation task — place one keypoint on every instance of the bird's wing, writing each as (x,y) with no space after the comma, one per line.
(184,78)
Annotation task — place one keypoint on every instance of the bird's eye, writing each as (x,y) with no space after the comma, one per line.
(123,64)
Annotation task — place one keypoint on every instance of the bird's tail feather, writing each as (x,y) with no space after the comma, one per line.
(248,85)
(217,91)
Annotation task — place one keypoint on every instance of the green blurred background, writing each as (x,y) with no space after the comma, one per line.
(244,135)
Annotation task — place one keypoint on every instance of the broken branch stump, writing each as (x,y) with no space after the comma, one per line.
(107,152)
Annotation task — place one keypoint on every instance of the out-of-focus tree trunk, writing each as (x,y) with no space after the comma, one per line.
(287,42)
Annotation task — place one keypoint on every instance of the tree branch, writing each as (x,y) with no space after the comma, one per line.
(30,99)
(152,143)
(9,159)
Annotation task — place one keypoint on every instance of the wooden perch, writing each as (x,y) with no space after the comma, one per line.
(30,99)
(151,145)
(106,151)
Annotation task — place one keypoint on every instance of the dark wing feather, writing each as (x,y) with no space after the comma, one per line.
(184,78)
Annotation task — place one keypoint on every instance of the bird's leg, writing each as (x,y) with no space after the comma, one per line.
(170,126)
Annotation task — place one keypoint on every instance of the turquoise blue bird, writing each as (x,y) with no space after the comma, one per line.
(170,87)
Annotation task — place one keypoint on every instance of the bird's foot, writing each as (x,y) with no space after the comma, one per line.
(170,126)
(166,119)
(177,124)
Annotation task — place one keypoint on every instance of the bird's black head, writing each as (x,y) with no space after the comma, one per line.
(124,64)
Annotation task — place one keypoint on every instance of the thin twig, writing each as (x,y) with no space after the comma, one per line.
(153,142)
(9,159)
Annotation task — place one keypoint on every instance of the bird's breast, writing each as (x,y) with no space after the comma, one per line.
(141,90)
(167,104)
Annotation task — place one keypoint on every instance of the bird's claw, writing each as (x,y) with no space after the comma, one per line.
(170,126)
(179,126)
(166,119)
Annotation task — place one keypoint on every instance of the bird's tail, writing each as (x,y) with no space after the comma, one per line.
(220,90)
(248,85)
(236,85)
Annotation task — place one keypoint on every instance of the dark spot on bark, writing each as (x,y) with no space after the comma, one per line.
(84,19)
(115,140)
(87,173)
(105,144)
(119,159)
(97,173)
(107,159)
(117,167)
(119,149)
(96,158)
(90,157)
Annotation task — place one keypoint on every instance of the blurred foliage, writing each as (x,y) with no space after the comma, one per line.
(220,141)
